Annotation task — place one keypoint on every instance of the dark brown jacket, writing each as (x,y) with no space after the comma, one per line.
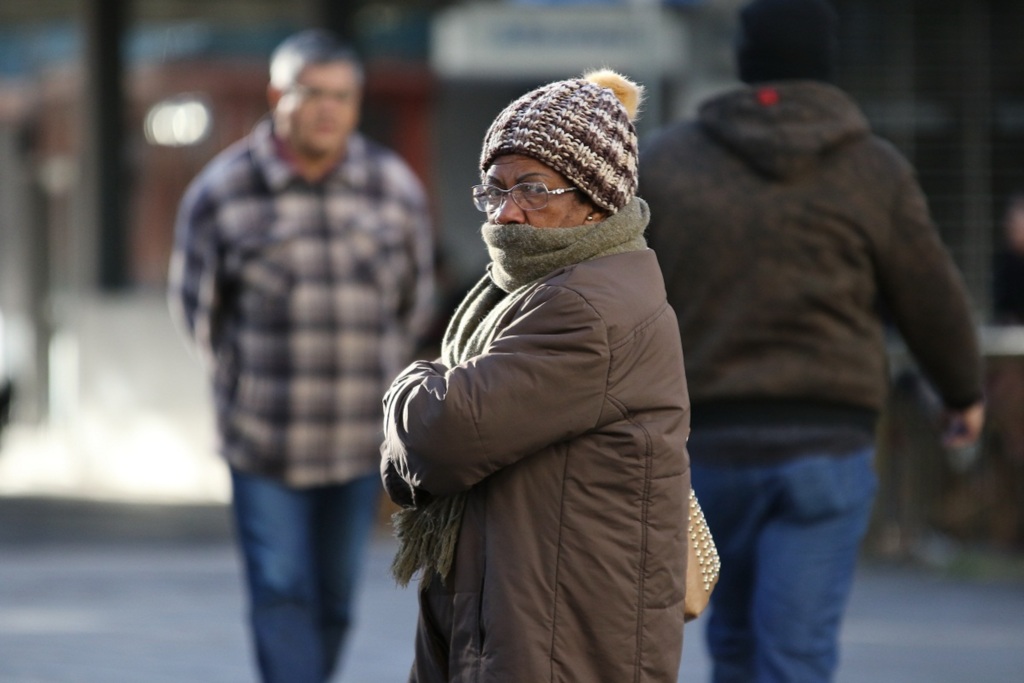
(782,226)
(569,434)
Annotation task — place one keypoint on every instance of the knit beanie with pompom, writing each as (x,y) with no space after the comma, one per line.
(582,128)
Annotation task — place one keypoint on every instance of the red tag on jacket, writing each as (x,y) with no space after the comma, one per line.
(767,97)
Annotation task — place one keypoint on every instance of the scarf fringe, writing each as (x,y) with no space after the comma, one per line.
(426,537)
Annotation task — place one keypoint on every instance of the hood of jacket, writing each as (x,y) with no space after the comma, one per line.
(783,129)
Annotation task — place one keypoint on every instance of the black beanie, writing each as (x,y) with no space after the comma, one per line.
(786,39)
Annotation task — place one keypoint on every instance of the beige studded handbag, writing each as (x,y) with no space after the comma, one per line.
(702,563)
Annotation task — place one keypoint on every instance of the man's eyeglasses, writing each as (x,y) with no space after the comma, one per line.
(527,196)
(310,94)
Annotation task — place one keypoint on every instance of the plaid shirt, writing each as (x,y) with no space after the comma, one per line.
(305,299)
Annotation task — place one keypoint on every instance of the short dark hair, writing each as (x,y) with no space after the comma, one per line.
(311,46)
(787,39)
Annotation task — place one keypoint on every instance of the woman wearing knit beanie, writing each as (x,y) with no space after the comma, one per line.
(540,462)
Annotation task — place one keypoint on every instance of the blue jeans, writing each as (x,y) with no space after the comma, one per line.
(303,550)
(788,535)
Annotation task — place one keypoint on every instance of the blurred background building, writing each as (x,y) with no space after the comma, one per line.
(109,107)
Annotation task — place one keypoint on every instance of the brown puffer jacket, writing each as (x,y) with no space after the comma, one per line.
(783,227)
(569,434)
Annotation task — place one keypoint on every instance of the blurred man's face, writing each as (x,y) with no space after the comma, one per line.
(317,114)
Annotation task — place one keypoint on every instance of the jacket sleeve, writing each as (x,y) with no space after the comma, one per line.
(926,295)
(542,380)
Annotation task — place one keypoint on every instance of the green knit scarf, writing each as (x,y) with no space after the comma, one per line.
(520,256)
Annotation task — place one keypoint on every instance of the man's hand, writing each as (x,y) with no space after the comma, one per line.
(962,428)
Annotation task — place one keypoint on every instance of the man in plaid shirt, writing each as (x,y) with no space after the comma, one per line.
(302,271)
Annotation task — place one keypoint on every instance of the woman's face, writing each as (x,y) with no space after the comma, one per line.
(562,211)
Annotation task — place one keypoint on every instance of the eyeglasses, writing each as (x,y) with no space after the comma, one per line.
(527,196)
(309,93)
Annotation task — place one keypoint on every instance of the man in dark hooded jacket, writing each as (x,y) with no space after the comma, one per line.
(781,224)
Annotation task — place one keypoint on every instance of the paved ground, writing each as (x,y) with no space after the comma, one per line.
(104,593)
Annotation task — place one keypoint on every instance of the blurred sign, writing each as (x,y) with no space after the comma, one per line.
(513,41)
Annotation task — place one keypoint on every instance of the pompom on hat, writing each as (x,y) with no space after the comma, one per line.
(582,128)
